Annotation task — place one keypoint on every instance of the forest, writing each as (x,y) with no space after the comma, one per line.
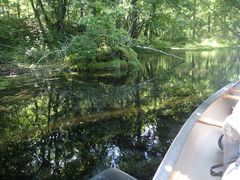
(82,90)
(81,32)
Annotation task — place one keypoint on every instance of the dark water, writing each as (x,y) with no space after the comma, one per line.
(69,126)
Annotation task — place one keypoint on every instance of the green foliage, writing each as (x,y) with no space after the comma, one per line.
(101,42)
(160,44)
(103,30)
(119,58)
(83,48)
(234,3)
(21,40)
(13,31)
(99,28)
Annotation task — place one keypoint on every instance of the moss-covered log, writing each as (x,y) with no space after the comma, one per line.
(118,58)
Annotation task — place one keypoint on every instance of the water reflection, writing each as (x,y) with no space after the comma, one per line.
(56,125)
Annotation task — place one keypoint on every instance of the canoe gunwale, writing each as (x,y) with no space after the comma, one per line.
(165,168)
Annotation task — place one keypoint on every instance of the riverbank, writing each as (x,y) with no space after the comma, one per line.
(206,44)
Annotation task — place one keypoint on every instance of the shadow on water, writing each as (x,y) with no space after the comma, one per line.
(61,125)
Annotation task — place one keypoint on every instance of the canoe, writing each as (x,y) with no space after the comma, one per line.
(195,148)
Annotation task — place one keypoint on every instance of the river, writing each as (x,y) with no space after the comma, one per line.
(72,126)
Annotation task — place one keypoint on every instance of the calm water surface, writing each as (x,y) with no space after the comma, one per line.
(72,126)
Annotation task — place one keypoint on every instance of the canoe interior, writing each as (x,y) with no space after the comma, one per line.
(201,150)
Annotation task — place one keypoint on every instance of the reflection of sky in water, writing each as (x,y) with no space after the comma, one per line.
(153,139)
(114,154)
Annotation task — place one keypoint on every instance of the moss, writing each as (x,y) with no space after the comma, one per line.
(134,64)
(114,65)
(125,58)
(127,52)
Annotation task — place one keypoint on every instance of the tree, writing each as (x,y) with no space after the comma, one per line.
(54,17)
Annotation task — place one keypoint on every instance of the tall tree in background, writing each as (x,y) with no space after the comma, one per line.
(53,16)
(37,15)
(133,16)
(194,19)
(173,21)
(59,8)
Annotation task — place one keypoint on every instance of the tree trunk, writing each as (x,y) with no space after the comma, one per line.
(81,11)
(134,20)
(61,13)
(194,21)
(146,30)
(209,22)
(28,8)
(7,8)
(3,9)
(18,9)
(47,20)
(37,16)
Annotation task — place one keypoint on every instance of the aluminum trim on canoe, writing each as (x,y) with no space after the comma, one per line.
(165,169)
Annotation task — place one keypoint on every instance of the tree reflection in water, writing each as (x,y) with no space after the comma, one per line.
(56,125)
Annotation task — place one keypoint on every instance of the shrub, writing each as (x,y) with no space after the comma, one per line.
(101,42)
(13,31)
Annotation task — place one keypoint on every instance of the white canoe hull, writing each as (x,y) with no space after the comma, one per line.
(195,148)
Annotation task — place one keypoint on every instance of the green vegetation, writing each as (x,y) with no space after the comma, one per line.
(101,47)
(97,34)
(87,104)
